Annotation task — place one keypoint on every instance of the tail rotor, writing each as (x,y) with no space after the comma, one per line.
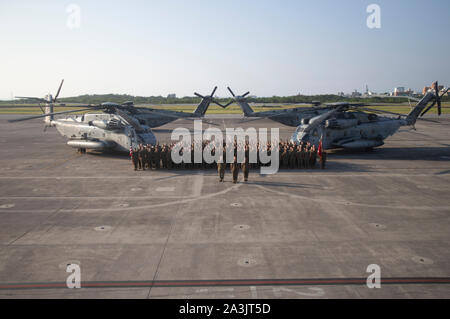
(437,100)
(238,97)
(241,100)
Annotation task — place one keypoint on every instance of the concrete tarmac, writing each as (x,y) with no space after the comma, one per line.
(296,234)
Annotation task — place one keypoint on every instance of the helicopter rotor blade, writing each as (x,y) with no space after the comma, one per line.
(251,119)
(380,111)
(210,123)
(323,117)
(232,93)
(138,128)
(178,117)
(199,95)
(428,108)
(46,114)
(439,101)
(32,98)
(214,91)
(438,98)
(221,105)
(59,90)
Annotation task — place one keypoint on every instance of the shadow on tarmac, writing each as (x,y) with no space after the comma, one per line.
(396,153)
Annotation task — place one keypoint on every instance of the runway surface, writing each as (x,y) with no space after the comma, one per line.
(181,234)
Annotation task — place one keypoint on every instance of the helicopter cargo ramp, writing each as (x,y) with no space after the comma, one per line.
(182,234)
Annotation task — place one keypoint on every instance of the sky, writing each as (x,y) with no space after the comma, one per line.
(266,47)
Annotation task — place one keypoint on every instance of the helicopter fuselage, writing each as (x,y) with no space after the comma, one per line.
(350,130)
(102,131)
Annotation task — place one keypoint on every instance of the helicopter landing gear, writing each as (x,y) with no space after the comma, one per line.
(81,151)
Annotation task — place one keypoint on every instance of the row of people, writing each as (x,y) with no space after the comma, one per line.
(291,156)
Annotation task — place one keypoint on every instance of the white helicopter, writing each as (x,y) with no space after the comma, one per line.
(347,126)
(118,127)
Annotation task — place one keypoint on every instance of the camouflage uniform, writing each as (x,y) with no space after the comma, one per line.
(291,158)
(221,169)
(134,158)
(235,171)
(158,156)
(169,162)
(141,159)
(323,159)
(285,159)
(298,158)
(246,164)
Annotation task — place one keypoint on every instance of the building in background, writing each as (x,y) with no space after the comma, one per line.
(172,96)
(356,94)
(428,88)
(399,91)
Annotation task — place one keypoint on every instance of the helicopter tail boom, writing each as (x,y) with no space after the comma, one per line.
(422,106)
(241,101)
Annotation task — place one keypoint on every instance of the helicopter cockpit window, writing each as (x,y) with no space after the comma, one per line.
(305,137)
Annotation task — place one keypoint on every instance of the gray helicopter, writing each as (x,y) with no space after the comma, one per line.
(292,116)
(156,117)
(116,127)
(348,126)
(289,117)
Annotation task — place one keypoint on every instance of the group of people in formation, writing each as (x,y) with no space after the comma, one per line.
(291,156)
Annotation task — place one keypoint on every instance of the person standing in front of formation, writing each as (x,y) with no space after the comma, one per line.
(246,164)
(235,170)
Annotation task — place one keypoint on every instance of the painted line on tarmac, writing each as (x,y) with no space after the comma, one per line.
(198,185)
(303,173)
(230,282)
(348,203)
(121,177)
(183,201)
(143,197)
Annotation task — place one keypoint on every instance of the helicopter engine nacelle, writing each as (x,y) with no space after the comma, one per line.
(100,124)
(340,123)
(112,124)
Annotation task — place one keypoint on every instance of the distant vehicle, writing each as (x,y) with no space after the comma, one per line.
(348,126)
(116,127)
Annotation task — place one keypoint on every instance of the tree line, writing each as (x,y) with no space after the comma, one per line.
(120,98)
